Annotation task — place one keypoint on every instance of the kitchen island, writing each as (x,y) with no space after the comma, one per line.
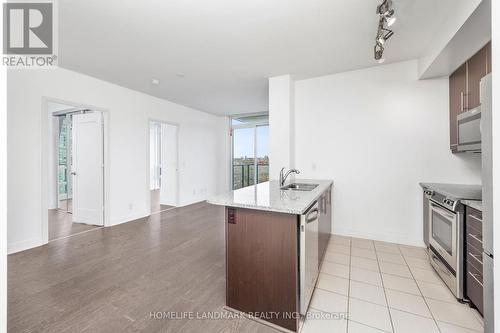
(275,243)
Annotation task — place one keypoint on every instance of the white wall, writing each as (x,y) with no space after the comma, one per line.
(3,197)
(377,133)
(128,128)
(281,124)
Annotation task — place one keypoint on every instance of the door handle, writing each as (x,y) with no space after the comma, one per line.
(442,212)
(73,173)
(475,256)
(315,215)
(478,238)
(475,277)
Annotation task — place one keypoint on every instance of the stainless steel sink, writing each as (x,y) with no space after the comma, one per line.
(300,187)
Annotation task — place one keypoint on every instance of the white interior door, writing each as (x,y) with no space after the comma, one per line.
(169,166)
(87,171)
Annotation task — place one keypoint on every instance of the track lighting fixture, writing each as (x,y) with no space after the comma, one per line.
(386,19)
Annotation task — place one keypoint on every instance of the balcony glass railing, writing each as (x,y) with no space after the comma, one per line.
(244,174)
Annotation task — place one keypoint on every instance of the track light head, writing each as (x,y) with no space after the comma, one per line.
(386,19)
(378,51)
(390,21)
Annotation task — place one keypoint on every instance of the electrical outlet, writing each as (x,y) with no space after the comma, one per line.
(130,206)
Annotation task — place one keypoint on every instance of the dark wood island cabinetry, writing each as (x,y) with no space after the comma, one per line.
(269,249)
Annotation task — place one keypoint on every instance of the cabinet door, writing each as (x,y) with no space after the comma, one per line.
(262,265)
(458,89)
(477,68)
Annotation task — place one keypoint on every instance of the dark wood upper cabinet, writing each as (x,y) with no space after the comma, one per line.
(465,88)
(458,89)
(477,68)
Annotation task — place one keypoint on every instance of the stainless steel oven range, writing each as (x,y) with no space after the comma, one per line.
(446,239)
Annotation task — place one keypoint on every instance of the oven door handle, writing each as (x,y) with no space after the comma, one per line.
(441,211)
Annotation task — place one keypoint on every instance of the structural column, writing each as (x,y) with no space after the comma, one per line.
(281,124)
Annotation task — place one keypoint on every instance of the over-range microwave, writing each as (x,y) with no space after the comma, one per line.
(469,130)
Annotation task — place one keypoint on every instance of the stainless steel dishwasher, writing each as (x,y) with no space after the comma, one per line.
(308,255)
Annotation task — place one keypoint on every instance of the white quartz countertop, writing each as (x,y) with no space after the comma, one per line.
(269,197)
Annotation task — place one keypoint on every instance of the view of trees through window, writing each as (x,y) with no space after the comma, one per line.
(250,151)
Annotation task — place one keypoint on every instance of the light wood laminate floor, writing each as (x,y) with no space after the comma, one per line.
(111,279)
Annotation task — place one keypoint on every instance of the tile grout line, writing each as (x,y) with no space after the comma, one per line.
(425,301)
(383,286)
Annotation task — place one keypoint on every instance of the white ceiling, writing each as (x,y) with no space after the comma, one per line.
(227,49)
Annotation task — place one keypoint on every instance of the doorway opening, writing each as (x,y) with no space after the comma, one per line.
(163,165)
(76,170)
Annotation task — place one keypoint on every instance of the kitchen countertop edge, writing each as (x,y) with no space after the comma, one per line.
(310,196)
(476,204)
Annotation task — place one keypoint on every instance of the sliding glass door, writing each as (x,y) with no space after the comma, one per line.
(250,162)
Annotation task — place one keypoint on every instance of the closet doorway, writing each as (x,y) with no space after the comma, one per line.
(163,165)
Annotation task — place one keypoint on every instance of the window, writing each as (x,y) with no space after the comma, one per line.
(250,154)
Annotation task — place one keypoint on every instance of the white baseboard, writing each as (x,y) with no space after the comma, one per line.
(189,203)
(383,237)
(128,218)
(24,245)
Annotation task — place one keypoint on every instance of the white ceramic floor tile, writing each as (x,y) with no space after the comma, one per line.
(362,243)
(319,322)
(419,263)
(436,291)
(370,314)
(363,253)
(333,283)
(400,284)
(407,302)
(426,276)
(414,252)
(329,302)
(395,269)
(355,327)
(449,328)
(457,314)
(391,257)
(387,248)
(341,240)
(409,323)
(336,269)
(339,258)
(367,292)
(365,263)
(364,275)
(339,249)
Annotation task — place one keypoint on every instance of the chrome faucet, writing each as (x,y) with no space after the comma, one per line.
(284,176)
